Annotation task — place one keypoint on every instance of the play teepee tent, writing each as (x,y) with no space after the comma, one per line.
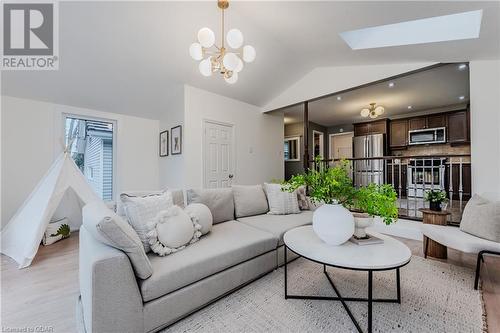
(22,235)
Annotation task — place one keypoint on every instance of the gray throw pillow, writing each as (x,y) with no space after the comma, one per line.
(218,200)
(111,229)
(481,218)
(249,200)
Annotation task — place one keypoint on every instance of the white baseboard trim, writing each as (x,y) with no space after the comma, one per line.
(401,228)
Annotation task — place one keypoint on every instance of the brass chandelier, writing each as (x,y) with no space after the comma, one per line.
(228,61)
(373,111)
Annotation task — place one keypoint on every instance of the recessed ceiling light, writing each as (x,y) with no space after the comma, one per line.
(339,98)
(461,98)
(410,107)
(462,67)
(391,84)
(466,25)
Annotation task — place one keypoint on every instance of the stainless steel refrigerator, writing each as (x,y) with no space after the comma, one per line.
(368,171)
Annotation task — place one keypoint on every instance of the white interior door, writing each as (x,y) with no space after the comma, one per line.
(218,154)
(341,145)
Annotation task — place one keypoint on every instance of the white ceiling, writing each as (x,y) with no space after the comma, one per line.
(426,90)
(131,57)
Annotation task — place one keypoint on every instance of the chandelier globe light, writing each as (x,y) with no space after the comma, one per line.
(228,60)
(372,111)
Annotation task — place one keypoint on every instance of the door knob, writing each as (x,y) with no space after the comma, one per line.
(231,176)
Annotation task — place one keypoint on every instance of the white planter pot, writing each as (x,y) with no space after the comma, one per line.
(333,224)
(361,222)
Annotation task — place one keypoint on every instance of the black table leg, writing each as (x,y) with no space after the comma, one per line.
(370,300)
(286,289)
(398,285)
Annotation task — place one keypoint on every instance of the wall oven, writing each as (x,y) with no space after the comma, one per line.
(427,136)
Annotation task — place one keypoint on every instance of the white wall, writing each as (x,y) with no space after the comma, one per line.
(259,137)
(326,80)
(172,166)
(31,135)
(485,125)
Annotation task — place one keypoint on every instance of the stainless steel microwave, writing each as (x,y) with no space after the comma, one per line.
(427,136)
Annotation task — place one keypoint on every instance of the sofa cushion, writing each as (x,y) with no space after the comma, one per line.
(249,200)
(278,224)
(177,197)
(218,200)
(281,202)
(110,229)
(481,218)
(142,210)
(228,244)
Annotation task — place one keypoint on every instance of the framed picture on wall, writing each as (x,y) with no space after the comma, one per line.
(176,140)
(164,143)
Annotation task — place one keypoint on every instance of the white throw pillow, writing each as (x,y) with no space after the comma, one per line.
(481,218)
(281,202)
(172,230)
(201,214)
(142,210)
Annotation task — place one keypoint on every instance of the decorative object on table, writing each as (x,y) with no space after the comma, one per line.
(374,200)
(435,198)
(56,230)
(432,248)
(176,140)
(226,60)
(164,143)
(332,222)
(370,240)
(172,230)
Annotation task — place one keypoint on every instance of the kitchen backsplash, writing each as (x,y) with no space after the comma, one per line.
(436,149)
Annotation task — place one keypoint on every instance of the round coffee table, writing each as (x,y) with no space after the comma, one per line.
(392,254)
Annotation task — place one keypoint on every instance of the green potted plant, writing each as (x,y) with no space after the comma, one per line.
(333,188)
(435,198)
(373,200)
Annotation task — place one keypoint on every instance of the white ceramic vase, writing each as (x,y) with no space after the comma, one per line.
(333,224)
(361,222)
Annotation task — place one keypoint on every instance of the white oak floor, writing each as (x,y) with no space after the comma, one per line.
(44,294)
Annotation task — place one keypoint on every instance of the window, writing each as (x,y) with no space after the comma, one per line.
(291,149)
(91,147)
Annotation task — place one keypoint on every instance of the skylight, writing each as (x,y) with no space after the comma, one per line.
(459,26)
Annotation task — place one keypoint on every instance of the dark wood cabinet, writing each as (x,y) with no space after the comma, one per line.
(400,178)
(430,121)
(374,127)
(458,127)
(398,133)
(455,181)
(436,120)
(361,129)
(417,123)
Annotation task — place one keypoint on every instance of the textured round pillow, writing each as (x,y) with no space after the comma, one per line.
(203,216)
(172,230)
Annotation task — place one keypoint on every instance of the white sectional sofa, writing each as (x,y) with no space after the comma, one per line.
(237,251)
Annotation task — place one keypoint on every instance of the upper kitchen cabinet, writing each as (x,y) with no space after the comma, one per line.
(417,123)
(398,133)
(458,127)
(373,127)
(430,121)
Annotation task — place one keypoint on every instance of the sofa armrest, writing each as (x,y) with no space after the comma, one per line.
(110,295)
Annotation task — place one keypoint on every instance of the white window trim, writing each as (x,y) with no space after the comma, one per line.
(292,138)
(65,115)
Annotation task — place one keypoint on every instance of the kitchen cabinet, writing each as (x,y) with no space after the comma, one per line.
(430,121)
(458,127)
(417,123)
(373,127)
(398,133)
(436,120)
(455,181)
(396,169)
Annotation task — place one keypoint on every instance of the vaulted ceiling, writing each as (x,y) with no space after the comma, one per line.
(130,57)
